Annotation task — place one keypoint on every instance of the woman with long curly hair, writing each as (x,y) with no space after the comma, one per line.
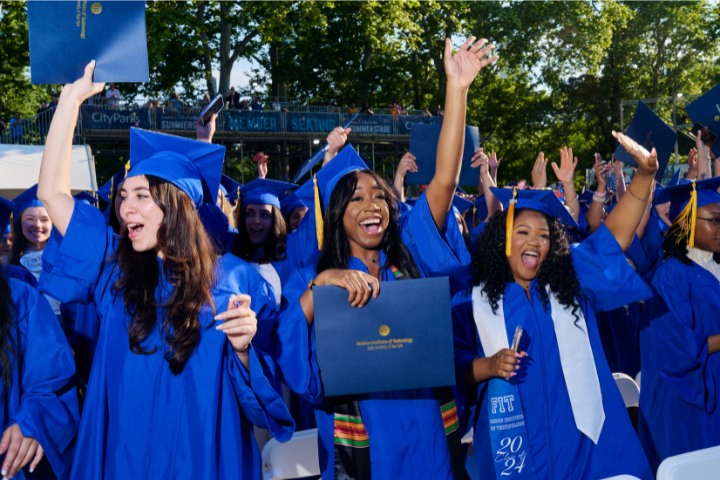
(398,434)
(679,345)
(549,408)
(175,385)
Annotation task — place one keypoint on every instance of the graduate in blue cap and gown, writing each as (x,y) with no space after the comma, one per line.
(679,345)
(551,409)
(411,434)
(294,210)
(227,196)
(176,384)
(39,400)
(13,271)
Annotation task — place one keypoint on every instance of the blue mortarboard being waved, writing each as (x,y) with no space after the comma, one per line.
(706,111)
(192,166)
(230,188)
(650,131)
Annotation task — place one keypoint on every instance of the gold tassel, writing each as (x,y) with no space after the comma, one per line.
(689,215)
(127,168)
(238,210)
(509,224)
(112,187)
(12,226)
(318,214)
(474,213)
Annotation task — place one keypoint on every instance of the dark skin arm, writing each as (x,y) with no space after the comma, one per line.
(501,365)
(713,344)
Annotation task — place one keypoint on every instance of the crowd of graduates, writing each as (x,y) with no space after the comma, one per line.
(173,335)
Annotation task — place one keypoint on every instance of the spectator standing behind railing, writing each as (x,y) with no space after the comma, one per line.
(175,102)
(352,110)
(113,96)
(256,105)
(275,106)
(426,113)
(53,101)
(43,120)
(244,105)
(329,107)
(206,100)
(366,109)
(233,99)
(16,128)
(438,112)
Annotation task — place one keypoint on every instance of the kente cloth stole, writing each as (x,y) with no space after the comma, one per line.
(352,443)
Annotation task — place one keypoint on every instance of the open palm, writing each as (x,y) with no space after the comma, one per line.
(463,67)
(566,171)
(646,161)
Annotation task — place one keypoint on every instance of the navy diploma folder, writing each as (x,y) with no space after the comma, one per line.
(66,36)
(424,144)
(399,341)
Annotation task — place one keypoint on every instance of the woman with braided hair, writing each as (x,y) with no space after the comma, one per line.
(549,407)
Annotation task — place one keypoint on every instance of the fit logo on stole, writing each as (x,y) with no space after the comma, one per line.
(96,8)
(502,403)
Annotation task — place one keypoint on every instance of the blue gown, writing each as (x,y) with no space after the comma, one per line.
(140,420)
(406,430)
(20,273)
(42,399)
(559,450)
(678,395)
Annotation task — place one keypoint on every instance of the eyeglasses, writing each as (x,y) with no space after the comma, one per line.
(715,221)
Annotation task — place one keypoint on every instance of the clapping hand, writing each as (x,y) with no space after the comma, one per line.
(463,67)
(646,161)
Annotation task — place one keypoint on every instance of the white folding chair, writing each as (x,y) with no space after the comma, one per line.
(628,389)
(637,379)
(697,465)
(296,458)
(622,477)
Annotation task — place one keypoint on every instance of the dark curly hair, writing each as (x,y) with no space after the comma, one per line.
(675,246)
(273,248)
(188,264)
(490,267)
(336,249)
(8,345)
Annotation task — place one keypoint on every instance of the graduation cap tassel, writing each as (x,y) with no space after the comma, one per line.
(474,213)
(238,210)
(127,168)
(12,225)
(689,215)
(318,214)
(509,224)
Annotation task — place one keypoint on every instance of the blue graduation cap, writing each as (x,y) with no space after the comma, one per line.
(110,187)
(6,209)
(317,157)
(217,226)
(650,131)
(706,111)
(460,205)
(290,203)
(675,180)
(230,187)
(480,211)
(192,166)
(25,200)
(686,198)
(544,201)
(424,140)
(87,198)
(112,33)
(262,191)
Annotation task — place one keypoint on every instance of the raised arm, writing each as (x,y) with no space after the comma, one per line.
(703,158)
(539,172)
(461,69)
(594,215)
(566,174)
(620,186)
(626,216)
(407,164)
(54,182)
(336,141)
(487,181)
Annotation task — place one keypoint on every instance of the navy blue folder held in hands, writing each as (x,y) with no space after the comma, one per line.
(399,341)
(66,36)
(424,145)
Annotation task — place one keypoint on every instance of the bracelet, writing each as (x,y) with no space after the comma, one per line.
(704,157)
(636,197)
(601,195)
(243,353)
(570,201)
(597,198)
(311,284)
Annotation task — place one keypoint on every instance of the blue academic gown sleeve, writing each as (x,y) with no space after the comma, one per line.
(605,276)
(43,399)
(15,271)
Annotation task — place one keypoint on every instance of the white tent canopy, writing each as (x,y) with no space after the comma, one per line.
(20,168)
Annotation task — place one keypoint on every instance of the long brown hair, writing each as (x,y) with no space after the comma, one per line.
(20,243)
(274,245)
(227,209)
(189,267)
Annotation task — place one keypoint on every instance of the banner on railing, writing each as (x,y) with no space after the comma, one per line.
(405,123)
(103,118)
(172,119)
(249,121)
(368,124)
(311,122)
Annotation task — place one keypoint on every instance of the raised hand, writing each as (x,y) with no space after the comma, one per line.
(239,322)
(263,167)
(493,161)
(205,132)
(20,451)
(646,161)
(600,173)
(337,138)
(407,164)
(539,172)
(479,159)
(463,67)
(84,87)
(566,172)
(359,285)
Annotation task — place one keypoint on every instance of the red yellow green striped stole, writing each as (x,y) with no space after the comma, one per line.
(350,431)
(397,273)
(450,417)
